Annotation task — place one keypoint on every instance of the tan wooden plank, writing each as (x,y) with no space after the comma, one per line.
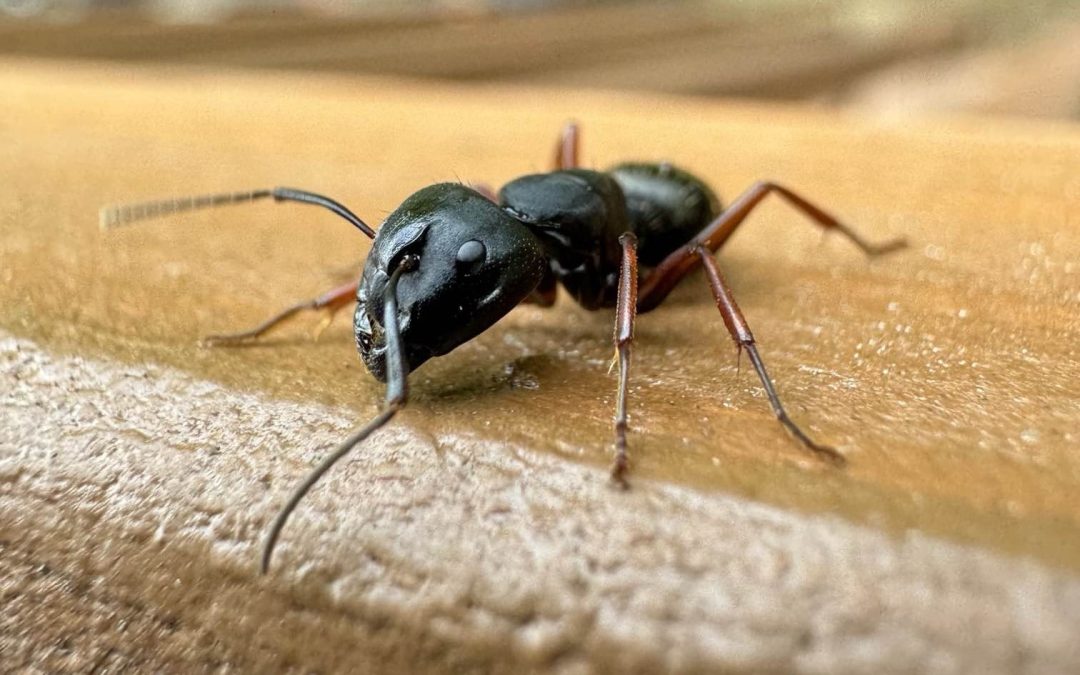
(947,374)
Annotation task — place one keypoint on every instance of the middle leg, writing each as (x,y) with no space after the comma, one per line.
(684,259)
(625,312)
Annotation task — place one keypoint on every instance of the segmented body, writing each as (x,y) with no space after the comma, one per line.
(579,215)
(480,258)
(451,261)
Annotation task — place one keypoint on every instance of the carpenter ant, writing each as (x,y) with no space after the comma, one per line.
(452,260)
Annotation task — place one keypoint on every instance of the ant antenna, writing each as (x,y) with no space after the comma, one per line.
(396,394)
(114,216)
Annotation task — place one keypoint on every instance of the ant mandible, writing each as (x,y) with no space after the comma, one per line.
(452,260)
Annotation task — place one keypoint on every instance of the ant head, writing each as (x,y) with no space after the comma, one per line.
(475,264)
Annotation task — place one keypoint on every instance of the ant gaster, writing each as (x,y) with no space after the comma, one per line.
(452,260)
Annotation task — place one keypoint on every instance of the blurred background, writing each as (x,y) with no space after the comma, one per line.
(891,58)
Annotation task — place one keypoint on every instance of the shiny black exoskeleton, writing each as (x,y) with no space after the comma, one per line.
(478,259)
(452,260)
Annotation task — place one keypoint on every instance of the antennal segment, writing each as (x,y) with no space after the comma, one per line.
(397,390)
(123,214)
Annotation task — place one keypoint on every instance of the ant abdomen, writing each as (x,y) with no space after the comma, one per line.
(666,205)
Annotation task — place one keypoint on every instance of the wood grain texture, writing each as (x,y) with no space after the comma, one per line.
(947,374)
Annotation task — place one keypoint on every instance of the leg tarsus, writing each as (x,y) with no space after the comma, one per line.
(871,250)
(828,453)
(332,301)
(827,221)
(884,248)
(620,465)
(232,339)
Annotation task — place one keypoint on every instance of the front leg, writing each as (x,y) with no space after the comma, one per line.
(330,302)
(625,312)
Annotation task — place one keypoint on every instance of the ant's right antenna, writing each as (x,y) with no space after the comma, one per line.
(114,216)
(397,391)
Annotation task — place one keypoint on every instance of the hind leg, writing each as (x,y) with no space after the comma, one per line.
(679,263)
(700,250)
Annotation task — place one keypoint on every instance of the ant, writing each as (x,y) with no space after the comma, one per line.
(453,259)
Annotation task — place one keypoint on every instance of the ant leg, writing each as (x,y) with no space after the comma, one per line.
(331,301)
(566,150)
(673,268)
(626,310)
(744,339)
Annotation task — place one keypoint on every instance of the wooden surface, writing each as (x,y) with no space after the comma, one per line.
(947,374)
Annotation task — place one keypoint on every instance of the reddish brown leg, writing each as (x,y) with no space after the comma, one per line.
(331,301)
(625,311)
(744,339)
(673,268)
(566,150)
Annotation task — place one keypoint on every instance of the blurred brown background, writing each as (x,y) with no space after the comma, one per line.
(887,57)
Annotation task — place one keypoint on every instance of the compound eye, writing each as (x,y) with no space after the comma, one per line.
(471,254)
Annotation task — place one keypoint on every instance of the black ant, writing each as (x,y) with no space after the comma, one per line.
(452,260)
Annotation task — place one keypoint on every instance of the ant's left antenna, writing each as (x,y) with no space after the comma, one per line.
(114,216)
